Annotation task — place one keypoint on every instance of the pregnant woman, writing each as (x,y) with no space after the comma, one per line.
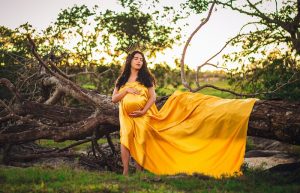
(191,133)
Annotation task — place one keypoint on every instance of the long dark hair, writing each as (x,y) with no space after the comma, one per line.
(144,75)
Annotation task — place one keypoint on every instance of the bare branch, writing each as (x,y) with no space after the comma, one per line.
(5,118)
(82,73)
(58,70)
(290,81)
(207,62)
(56,96)
(92,73)
(250,23)
(276,5)
(110,143)
(183,79)
(88,139)
(29,157)
(291,27)
(75,88)
(6,106)
(258,13)
(28,78)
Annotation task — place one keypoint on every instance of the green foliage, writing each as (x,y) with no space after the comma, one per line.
(66,179)
(268,75)
(13,46)
(198,6)
(135,27)
(14,56)
(167,79)
(73,16)
(80,35)
(249,144)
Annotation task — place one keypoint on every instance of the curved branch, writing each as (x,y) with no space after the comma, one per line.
(66,82)
(88,139)
(101,100)
(259,14)
(183,79)
(290,27)
(266,18)
(58,70)
(92,73)
(206,62)
(56,96)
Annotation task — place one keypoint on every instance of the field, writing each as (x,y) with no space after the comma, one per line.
(65,179)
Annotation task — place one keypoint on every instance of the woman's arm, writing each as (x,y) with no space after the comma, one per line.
(117,96)
(151,99)
(149,103)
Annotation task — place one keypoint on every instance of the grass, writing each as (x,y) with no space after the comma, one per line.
(249,144)
(52,144)
(168,90)
(38,179)
(89,86)
(221,84)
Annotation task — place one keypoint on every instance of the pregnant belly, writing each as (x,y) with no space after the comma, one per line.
(133,102)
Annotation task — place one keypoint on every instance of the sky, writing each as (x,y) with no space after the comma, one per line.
(223,25)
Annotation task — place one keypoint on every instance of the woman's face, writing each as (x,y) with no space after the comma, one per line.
(137,61)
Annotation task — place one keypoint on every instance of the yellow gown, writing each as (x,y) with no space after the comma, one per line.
(191,133)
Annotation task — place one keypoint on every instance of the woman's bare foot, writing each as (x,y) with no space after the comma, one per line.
(125,172)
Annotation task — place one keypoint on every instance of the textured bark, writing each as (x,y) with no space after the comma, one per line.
(278,120)
(73,132)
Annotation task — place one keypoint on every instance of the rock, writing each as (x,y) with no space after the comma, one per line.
(266,153)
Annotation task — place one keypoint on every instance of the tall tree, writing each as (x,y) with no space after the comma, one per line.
(277,30)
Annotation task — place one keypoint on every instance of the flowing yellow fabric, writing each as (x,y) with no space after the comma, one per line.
(191,133)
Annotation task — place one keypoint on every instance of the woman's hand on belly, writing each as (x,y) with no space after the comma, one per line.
(134,104)
(137,113)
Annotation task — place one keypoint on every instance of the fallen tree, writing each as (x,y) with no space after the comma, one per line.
(23,121)
(269,119)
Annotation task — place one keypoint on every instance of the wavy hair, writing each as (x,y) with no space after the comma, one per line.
(144,75)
